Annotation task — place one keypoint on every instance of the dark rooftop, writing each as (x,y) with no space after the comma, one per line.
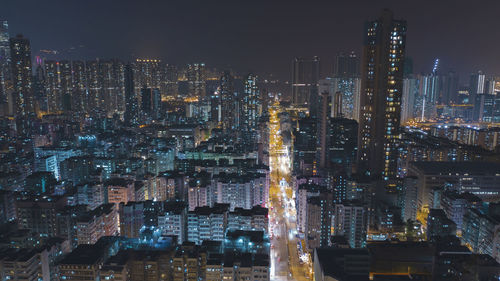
(84,254)
(333,263)
(472,168)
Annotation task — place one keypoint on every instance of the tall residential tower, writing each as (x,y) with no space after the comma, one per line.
(21,75)
(305,76)
(250,103)
(380,102)
(4,57)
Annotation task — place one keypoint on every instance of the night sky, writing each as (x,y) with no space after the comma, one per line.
(259,36)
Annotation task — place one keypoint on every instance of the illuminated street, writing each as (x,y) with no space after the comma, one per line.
(285,263)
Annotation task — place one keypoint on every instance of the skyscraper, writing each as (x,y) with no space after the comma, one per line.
(477,85)
(4,42)
(111,74)
(408,101)
(79,96)
(39,85)
(350,88)
(346,81)
(430,89)
(53,90)
(148,73)
(171,76)
(250,103)
(382,86)
(21,75)
(66,84)
(477,88)
(350,220)
(305,76)
(130,100)
(305,146)
(4,56)
(59,83)
(215,106)
(342,144)
(146,100)
(450,88)
(196,79)
(227,98)
(93,85)
(324,114)
(346,65)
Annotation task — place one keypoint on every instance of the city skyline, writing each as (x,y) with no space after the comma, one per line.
(264,37)
(171,155)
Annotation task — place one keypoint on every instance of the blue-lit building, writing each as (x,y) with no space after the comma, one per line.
(246,241)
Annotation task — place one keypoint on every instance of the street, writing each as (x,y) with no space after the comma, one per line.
(285,262)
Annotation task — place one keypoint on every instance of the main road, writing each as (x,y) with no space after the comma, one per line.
(285,262)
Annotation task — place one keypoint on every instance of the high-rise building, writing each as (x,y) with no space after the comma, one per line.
(439,225)
(146,100)
(52,85)
(39,85)
(4,42)
(496,110)
(409,98)
(319,220)
(324,114)
(342,144)
(485,105)
(304,146)
(215,107)
(250,103)
(241,191)
(120,190)
(227,101)
(431,87)
(350,88)
(102,221)
(346,65)
(137,216)
(456,204)
(305,77)
(477,89)
(174,220)
(38,214)
(205,223)
(95,86)
(382,84)
(450,88)
(4,57)
(92,71)
(171,76)
(150,102)
(21,75)
(130,99)
(66,84)
(79,100)
(477,84)
(59,84)
(147,73)
(111,74)
(195,75)
(350,220)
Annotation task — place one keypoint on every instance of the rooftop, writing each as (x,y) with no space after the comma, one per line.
(471,168)
(334,263)
(84,254)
